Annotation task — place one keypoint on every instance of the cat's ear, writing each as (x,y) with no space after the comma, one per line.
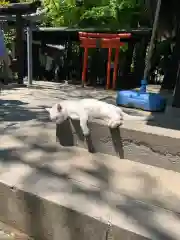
(59,108)
(47,109)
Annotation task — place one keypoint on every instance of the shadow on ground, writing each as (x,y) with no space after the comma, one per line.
(169,119)
(143,214)
(18,111)
(136,210)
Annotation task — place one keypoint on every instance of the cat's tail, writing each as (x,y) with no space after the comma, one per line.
(137,118)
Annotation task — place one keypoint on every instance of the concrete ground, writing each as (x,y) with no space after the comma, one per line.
(9,233)
(47,93)
(50,191)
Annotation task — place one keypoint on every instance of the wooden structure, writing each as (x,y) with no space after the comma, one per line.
(66,36)
(57,34)
(19,9)
(102,40)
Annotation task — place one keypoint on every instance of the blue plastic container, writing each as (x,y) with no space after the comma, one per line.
(142,100)
(143,86)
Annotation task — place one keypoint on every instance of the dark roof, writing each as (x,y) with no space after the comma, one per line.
(59,35)
(19,8)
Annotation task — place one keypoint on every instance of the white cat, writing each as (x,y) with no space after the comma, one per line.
(88,109)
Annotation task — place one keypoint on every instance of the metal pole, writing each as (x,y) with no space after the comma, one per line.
(153,36)
(29,54)
(19,48)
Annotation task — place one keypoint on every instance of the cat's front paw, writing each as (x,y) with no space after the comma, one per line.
(115,124)
(86,134)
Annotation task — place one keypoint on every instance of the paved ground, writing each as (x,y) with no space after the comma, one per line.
(30,102)
(52,92)
(44,94)
(31,160)
(130,195)
(8,233)
(47,93)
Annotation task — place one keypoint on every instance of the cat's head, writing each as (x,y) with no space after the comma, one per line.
(57,113)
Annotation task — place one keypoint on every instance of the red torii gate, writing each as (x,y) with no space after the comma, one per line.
(104,40)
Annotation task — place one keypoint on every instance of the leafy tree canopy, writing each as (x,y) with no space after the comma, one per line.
(93,13)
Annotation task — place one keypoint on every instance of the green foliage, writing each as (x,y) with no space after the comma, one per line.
(4,3)
(9,37)
(102,13)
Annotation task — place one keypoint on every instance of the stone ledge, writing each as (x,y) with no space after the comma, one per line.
(135,141)
(48,191)
(52,214)
(9,233)
(75,165)
(43,219)
(50,211)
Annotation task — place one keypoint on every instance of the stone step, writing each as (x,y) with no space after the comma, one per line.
(153,143)
(134,140)
(9,233)
(49,191)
